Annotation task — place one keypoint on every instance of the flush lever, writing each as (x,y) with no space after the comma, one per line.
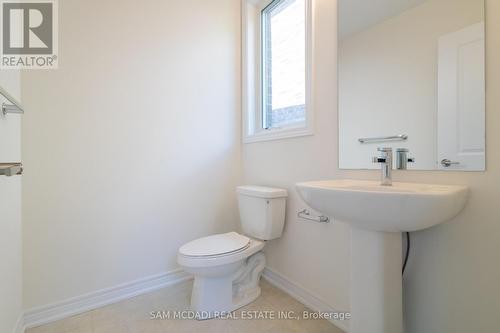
(11,169)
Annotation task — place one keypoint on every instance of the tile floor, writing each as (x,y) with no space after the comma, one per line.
(133,316)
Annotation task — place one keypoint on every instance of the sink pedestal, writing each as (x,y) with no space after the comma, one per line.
(376,282)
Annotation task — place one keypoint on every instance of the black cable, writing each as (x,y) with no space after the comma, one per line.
(407,251)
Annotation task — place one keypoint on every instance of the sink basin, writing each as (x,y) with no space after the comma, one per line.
(379,214)
(398,208)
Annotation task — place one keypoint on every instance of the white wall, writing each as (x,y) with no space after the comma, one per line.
(131,147)
(388,81)
(357,15)
(452,280)
(10,212)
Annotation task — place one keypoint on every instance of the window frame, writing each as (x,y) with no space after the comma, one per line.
(252,76)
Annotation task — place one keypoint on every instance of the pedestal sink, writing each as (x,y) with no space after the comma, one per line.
(378,215)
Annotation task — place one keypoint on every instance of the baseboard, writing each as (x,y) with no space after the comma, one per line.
(302,295)
(49,313)
(57,311)
(20,325)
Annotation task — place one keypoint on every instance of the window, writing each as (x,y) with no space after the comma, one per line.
(284,64)
(277,73)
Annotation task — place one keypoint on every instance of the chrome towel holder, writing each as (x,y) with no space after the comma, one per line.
(306,215)
(401,137)
(11,169)
(14,107)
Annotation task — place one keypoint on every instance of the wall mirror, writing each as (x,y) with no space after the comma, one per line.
(412,75)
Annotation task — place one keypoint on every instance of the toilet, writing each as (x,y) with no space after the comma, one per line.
(227,267)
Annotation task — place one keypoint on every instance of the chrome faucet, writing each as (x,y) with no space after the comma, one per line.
(385,160)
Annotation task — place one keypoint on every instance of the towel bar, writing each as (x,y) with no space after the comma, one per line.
(305,214)
(11,169)
(402,137)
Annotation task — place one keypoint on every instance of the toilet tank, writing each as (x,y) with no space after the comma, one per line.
(262,211)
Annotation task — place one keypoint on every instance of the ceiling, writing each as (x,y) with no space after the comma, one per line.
(357,15)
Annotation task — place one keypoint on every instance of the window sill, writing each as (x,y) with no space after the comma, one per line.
(278,134)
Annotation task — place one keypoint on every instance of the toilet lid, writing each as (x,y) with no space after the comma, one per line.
(215,245)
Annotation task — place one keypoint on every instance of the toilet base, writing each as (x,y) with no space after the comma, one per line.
(237,285)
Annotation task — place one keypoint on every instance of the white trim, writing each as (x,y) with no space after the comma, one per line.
(20,325)
(49,313)
(302,295)
(278,134)
(57,311)
(251,76)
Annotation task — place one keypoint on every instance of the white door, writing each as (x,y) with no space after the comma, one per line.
(10,210)
(461,100)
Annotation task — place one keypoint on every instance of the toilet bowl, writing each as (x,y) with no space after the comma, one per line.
(227,267)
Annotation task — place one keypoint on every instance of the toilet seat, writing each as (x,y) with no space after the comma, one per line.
(215,245)
(214,261)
